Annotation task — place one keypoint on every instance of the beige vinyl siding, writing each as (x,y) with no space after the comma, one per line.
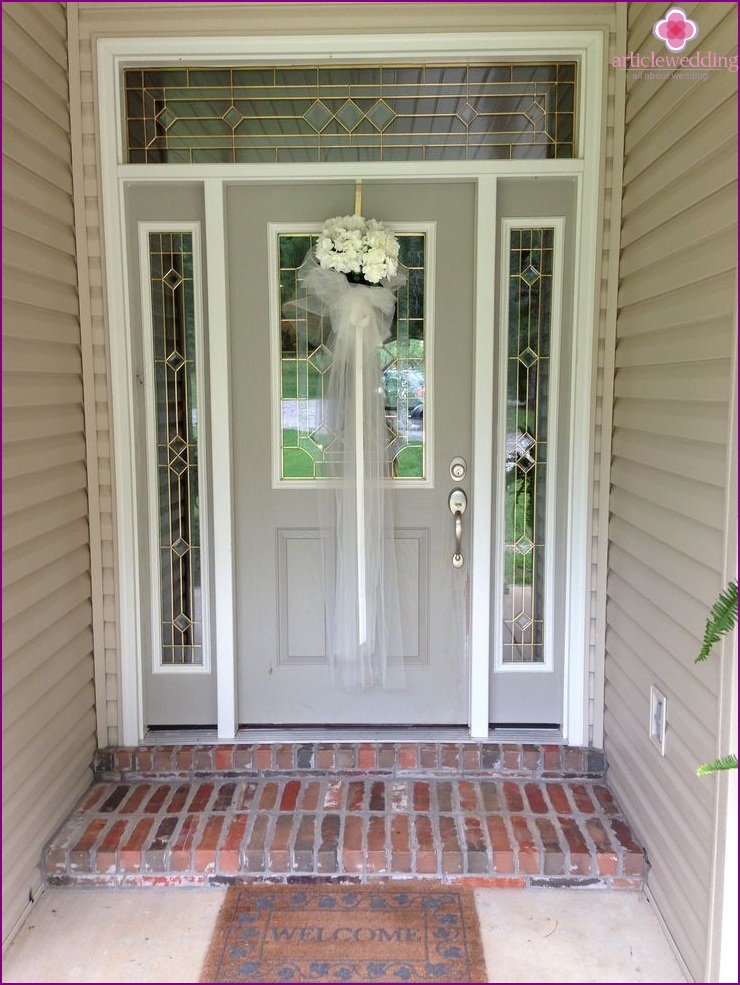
(48,693)
(669,477)
(98,20)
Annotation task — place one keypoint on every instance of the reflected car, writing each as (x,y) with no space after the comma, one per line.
(406,384)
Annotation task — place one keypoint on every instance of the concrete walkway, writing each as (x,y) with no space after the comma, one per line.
(161,935)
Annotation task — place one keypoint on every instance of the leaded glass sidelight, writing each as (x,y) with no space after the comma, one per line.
(328,113)
(306,358)
(173,320)
(528,378)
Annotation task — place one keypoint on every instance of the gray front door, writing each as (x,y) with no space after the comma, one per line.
(277,377)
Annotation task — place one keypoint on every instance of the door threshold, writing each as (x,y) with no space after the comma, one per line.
(284,734)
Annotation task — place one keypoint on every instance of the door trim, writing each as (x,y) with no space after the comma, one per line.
(112,54)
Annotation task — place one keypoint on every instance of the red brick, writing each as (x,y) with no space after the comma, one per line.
(400,843)
(268,798)
(246,795)
(491,798)
(327,859)
(302,860)
(179,799)
(367,757)
(512,757)
(278,852)
(346,757)
(532,757)
(386,756)
(451,758)
(581,862)
(352,851)
(558,798)
(551,759)
(376,857)
(124,760)
(553,862)
(114,800)
(184,758)
(467,792)
(355,795)
(487,882)
(536,798)
(476,849)
(262,757)
(444,797)
(583,801)
(229,856)
(224,796)
(574,760)
(134,802)
(528,854)
(334,795)
(204,856)
(143,760)
(131,855)
(155,856)
(407,757)
(289,798)
(452,856)
(471,757)
(428,756)
(224,758)
(163,760)
(157,799)
(503,851)
(377,796)
(311,796)
(203,759)
(180,853)
(243,758)
(94,796)
(513,797)
(80,855)
(422,792)
(254,853)
(633,884)
(106,857)
(284,757)
(325,757)
(605,800)
(426,852)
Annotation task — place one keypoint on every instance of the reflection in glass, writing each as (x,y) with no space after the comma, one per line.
(369,113)
(305,361)
(527,386)
(173,329)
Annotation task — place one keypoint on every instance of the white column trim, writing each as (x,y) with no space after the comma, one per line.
(221,460)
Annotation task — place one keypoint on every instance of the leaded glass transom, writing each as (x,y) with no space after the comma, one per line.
(176,415)
(527,437)
(305,361)
(321,113)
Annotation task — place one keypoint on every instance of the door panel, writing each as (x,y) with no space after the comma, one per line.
(283,674)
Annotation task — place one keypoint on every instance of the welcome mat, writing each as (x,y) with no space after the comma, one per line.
(346,934)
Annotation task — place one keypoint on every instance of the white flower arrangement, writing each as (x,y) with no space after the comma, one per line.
(351,244)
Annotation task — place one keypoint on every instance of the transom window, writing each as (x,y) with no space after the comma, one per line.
(320,113)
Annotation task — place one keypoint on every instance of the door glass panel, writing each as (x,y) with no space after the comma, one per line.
(306,440)
(527,404)
(176,416)
(320,113)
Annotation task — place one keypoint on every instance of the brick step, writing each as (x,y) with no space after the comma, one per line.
(428,759)
(486,831)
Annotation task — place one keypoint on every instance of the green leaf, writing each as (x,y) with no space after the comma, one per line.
(725,763)
(723,619)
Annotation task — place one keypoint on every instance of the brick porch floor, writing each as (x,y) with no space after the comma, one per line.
(490,814)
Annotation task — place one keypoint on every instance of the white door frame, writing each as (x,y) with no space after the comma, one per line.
(112,55)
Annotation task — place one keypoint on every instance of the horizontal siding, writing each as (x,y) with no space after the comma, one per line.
(672,395)
(48,699)
(260,19)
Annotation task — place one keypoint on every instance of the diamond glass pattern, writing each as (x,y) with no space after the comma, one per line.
(324,113)
(307,442)
(527,387)
(176,406)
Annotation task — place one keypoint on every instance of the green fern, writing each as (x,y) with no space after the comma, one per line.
(722,620)
(726,763)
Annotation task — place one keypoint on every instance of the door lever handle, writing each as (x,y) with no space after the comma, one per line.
(458,503)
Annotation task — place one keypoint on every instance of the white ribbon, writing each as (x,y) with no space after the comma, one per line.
(363,616)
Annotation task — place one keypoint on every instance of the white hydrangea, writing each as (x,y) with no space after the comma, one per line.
(352,244)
